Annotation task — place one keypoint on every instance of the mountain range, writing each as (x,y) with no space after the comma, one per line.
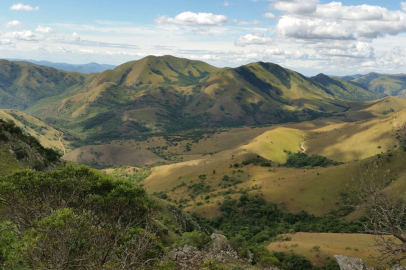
(169,94)
(81,68)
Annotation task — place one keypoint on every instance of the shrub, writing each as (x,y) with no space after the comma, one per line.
(196,239)
(77,215)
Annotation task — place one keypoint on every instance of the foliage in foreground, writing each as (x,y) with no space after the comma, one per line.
(75,219)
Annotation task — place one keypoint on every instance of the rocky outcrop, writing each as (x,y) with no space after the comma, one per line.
(347,263)
(190,258)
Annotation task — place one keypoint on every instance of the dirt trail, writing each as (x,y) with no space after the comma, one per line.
(302,145)
(60,141)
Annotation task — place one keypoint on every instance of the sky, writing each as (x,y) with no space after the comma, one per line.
(308,36)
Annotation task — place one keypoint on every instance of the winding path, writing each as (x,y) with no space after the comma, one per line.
(302,145)
(60,141)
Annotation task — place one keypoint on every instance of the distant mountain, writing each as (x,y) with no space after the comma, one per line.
(347,77)
(85,68)
(346,90)
(392,85)
(168,95)
(23,84)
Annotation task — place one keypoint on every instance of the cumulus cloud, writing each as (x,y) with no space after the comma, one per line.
(403,6)
(253,22)
(269,15)
(21,7)
(190,18)
(43,29)
(12,24)
(253,39)
(308,28)
(343,49)
(335,21)
(295,6)
(26,35)
(7,42)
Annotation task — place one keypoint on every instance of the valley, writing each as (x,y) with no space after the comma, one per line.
(198,138)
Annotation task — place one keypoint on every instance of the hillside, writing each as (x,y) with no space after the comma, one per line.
(346,90)
(23,84)
(391,85)
(47,135)
(20,151)
(233,153)
(167,95)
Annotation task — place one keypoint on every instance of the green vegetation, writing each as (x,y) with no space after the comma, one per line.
(391,110)
(25,148)
(259,221)
(80,205)
(302,160)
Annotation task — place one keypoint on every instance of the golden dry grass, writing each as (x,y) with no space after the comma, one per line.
(111,155)
(48,137)
(350,245)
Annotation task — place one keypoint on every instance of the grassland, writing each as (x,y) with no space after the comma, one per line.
(355,143)
(330,244)
(112,156)
(47,135)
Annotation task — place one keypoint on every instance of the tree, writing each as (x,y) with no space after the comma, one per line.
(76,219)
(385,220)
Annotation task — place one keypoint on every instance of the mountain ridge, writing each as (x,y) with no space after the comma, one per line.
(170,94)
(88,68)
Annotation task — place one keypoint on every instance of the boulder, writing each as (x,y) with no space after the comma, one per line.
(347,263)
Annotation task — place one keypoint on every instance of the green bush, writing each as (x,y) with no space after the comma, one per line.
(301,160)
(77,215)
(196,239)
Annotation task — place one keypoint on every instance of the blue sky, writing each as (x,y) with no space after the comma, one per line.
(308,36)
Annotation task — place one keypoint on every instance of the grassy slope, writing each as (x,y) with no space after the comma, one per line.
(393,85)
(46,134)
(23,84)
(111,155)
(346,90)
(350,245)
(297,189)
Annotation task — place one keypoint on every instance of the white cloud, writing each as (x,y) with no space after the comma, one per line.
(43,29)
(340,48)
(21,7)
(269,15)
(403,5)
(26,35)
(190,18)
(12,24)
(335,21)
(253,22)
(307,28)
(253,39)
(295,6)
(226,4)
(7,42)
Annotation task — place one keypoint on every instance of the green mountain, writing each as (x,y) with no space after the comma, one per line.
(23,85)
(391,85)
(345,90)
(168,94)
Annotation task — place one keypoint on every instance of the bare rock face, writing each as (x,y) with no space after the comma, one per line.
(397,267)
(346,263)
